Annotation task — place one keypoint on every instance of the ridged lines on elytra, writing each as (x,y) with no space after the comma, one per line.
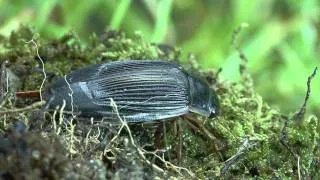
(141,89)
(146,73)
(145,101)
(148,83)
(144,108)
(160,100)
(151,109)
(140,93)
(112,70)
(136,77)
(136,65)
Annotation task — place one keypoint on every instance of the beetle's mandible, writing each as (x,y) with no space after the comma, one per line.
(143,90)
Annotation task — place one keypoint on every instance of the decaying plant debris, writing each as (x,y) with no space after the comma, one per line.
(253,138)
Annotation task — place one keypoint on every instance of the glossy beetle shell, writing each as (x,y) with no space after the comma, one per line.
(143,90)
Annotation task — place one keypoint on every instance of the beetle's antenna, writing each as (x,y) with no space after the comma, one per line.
(42,63)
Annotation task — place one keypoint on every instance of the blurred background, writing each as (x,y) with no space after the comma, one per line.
(281,42)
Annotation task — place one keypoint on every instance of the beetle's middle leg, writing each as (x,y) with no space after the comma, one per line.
(160,139)
(158,136)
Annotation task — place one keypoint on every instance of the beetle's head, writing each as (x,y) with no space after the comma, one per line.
(203,99)
(214,106)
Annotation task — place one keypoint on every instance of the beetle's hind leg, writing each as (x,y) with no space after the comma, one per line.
(178,135)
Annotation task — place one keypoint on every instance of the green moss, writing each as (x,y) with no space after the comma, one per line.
(121,47)
(247,126)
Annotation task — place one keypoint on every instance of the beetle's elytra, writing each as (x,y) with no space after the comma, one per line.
(143,90)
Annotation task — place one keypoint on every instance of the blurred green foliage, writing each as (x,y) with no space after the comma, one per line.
(281,43)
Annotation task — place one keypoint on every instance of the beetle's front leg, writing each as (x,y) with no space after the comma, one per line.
(193,122)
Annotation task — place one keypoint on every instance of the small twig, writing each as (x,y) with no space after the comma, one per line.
(4,87)
(285,142)
(27,108)
(61,116)
(284,138)
(70,128)
(297,116)
(3,78)
(301,112)
(53,118)
(71,96)
(5,99)
(87,139)
(239,154)
(235,36)
(246,78)
(42,64)
(298,164)
(169,164)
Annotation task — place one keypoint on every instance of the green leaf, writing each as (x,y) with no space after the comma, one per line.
(119,14)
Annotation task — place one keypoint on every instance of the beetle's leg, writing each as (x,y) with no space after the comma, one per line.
(194,122)
(177,133)
(191,125)
(158,136)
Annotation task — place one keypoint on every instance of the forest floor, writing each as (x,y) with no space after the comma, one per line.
(248,139)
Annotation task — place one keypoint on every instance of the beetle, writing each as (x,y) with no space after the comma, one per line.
(143,91)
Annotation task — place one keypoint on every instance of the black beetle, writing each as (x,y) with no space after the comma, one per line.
(143,90)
